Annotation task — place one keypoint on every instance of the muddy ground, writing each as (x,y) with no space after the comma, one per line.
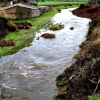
(83,77)
(7,26)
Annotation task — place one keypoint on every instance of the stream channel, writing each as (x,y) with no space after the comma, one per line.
(30,74)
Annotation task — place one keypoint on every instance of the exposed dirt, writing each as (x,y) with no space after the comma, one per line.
(6,43)
(7,26)
(83,77)
(48,35)
(24,25)
(87,11)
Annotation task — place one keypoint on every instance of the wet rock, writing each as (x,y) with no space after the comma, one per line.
(71,28)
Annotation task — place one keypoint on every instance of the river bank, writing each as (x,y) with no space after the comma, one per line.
(30,74)
(81,81)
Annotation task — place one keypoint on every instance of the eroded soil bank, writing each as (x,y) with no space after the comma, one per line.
(83,77)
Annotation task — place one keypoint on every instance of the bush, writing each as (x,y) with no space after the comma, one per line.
(56,27)
(95,21)
(3,20)
(12,26)
(81,6)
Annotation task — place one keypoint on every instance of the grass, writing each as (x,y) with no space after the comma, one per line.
(57,26)
(95,97)
(23,38)
(52,3)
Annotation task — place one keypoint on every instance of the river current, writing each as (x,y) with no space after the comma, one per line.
(30,74)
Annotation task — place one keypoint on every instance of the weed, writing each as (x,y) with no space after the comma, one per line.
(57,26)
(95,97)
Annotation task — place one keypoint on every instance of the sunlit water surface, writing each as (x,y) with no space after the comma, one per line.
(30,74)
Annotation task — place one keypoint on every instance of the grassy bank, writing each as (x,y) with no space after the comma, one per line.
(23,38)
(60,3)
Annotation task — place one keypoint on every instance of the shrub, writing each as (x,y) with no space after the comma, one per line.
(95,21)
(56,27)
(12,26)
(81,6)
(3,20)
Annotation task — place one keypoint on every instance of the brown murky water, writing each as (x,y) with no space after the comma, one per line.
(30,73)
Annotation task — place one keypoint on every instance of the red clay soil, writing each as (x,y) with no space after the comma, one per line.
(87,11)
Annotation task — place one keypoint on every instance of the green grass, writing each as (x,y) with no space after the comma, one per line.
(23,38)
(59,3)
(95,97)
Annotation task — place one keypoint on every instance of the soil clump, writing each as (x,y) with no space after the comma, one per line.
(7,26)
(87,11)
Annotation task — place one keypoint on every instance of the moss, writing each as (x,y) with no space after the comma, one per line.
(95,97)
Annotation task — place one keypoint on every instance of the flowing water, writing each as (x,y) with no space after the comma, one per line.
(30,74)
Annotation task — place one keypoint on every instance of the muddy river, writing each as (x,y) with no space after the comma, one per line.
(30,74)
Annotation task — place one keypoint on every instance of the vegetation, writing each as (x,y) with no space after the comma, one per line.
(82,79)
(53,3)
(95,97)
(57,26)
(12,26)
(23,38)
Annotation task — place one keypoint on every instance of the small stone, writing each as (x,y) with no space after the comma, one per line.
(71,28)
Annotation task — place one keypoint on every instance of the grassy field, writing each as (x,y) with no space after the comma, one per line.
(59,3)
(23,38)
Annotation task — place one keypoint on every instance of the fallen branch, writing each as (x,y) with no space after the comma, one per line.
(96,87)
